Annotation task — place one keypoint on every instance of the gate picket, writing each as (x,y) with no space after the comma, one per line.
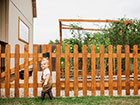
(102,70)
(127,70)
(26,71)
(17,59)
(75,70)
(135,48)
(119,80)
(93,70)
(84,67)
(7,71)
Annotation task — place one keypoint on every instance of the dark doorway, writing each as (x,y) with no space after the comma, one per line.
(3,45)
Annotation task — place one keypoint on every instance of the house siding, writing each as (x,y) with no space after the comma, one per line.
(20,9)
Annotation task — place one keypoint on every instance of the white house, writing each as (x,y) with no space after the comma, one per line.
(16,23)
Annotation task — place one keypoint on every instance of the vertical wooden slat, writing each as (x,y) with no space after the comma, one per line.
(0,70)
(60,30)
(119,81)
(84,67)
(110,63)
(50,59)
(127,70)
(93,70)
(26,70)
(135,48)
(75,70)
(67,83)
(7,71)
(58,85)
(102,70)
(35,68)
(44,48)
(17,59)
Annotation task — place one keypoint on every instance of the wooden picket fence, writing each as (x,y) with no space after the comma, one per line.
(66,83)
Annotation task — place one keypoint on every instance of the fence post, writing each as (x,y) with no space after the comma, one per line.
(135,48)
(102,70)
(7,71)
(84,67)
(127,70)
(110,63)
(93,70)
(119,80)
(75,70)
(35,69)
(26,71)
(67,84)
(17,59)
(58,56)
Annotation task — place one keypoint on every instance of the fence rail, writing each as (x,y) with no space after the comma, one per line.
(76,80)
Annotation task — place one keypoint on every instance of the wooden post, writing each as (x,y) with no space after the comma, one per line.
(26,71)
(58,84)
(102,70)
(84,67)
(67,84)
(93,70)
(135,48)
(75,70)
(35,69)
(17,59)
(110,63)
(60,30)
(119,80)
(7,71)
(127,70)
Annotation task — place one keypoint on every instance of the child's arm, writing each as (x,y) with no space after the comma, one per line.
(46,79)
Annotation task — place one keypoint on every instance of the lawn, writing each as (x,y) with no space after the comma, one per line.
(87,100)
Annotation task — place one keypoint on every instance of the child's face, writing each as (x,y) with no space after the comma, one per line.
(44,65)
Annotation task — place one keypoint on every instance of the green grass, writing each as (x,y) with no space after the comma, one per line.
(87,100)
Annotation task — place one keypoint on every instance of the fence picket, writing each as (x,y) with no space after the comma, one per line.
(58,84)
(67,84)
(75,70)
(93,70)
(127,70)
(35,69)
(119,81)
(7,71)
(102,70)
(26,71)
(84,67)
(17,59)
(44,48)
(50,59)
(110,63)
(135,48)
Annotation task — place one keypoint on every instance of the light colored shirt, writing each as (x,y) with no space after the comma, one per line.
(45,72)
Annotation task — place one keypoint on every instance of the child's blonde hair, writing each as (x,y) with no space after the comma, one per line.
(45,60)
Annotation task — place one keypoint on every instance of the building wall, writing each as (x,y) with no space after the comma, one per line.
(22,9)
(3,34)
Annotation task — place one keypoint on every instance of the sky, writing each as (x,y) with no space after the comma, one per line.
(46,25)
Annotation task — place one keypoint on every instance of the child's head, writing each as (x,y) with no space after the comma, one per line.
(44,63)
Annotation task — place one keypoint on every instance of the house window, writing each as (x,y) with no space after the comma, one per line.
(23,31)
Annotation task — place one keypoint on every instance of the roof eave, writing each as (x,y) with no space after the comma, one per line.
(34,8)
